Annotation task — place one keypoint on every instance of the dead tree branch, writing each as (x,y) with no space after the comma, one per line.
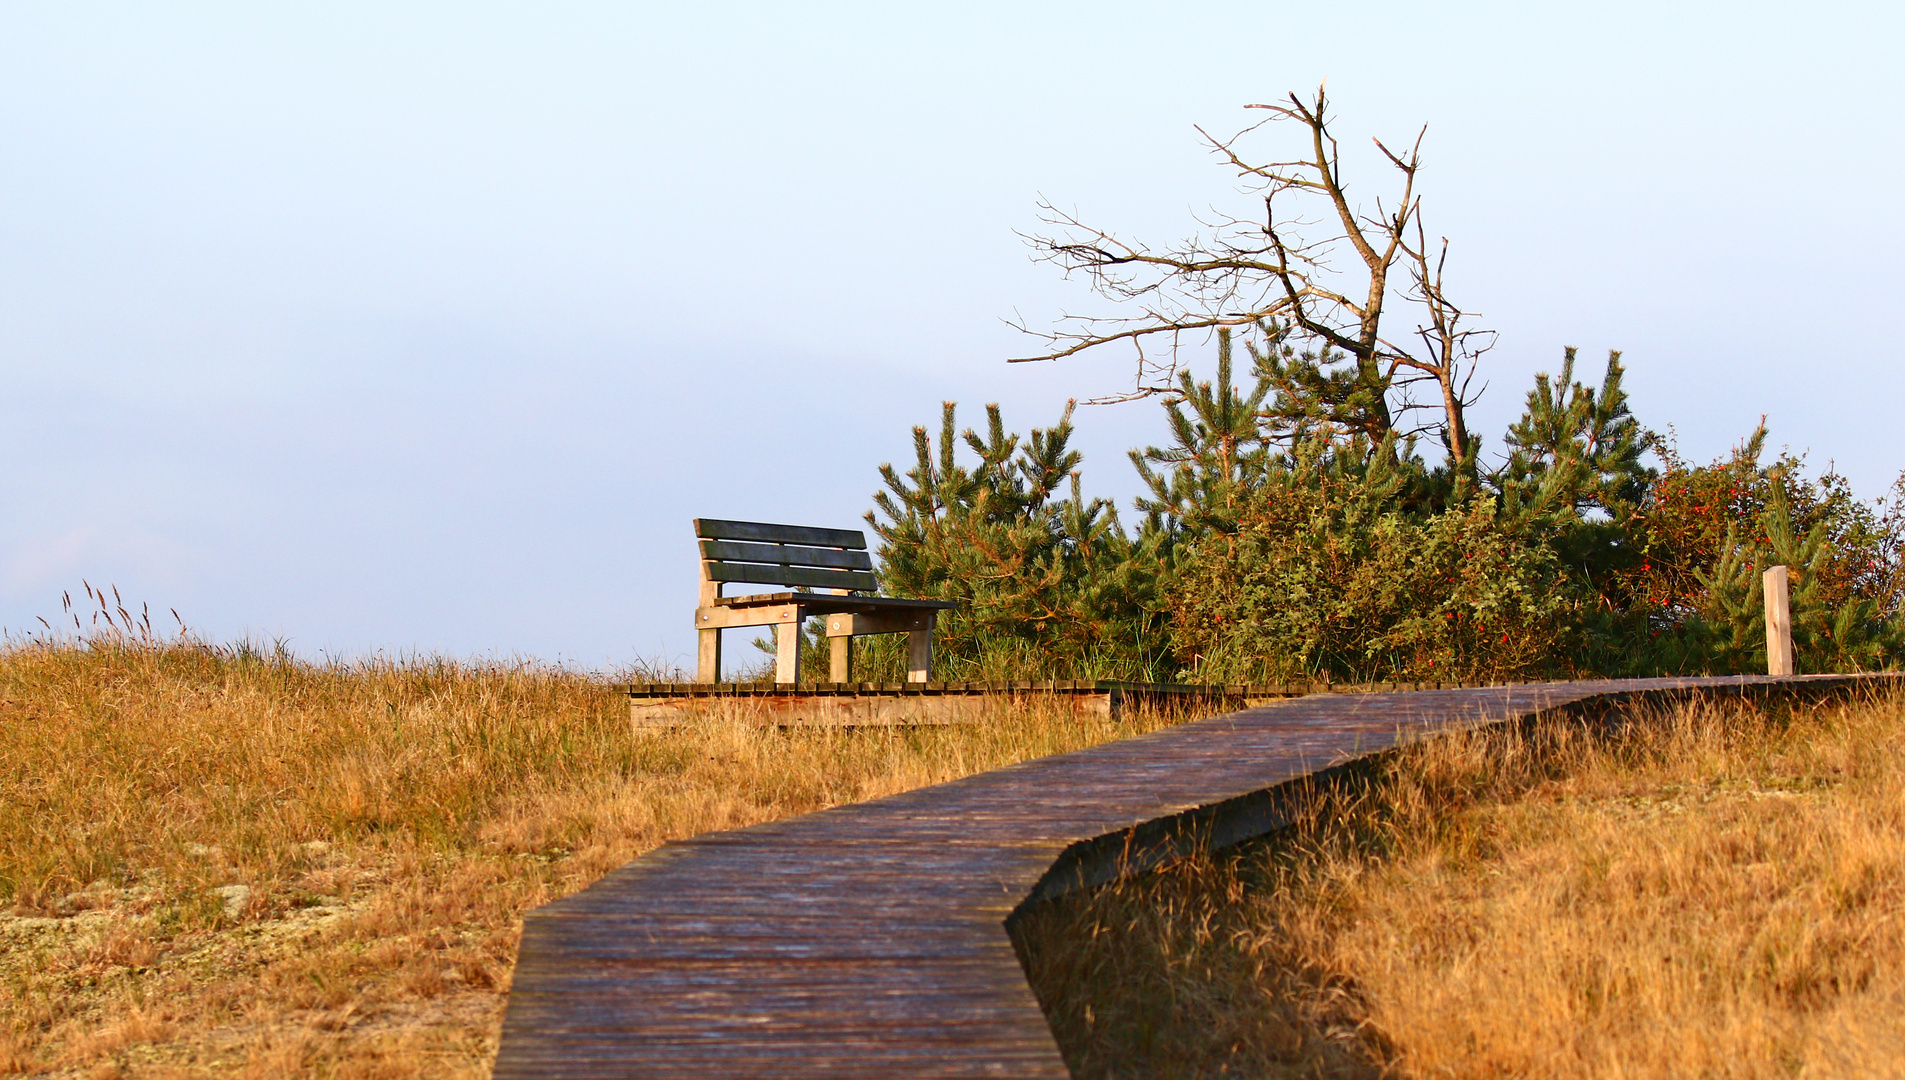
(1276,270)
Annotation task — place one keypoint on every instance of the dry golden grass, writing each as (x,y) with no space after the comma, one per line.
(219,863)
(1711,892)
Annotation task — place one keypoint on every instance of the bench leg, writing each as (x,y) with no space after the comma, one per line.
(919,655)
(842,659)
(708,657)
(786,652)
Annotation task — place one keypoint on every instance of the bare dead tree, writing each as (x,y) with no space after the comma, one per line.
(1275,274)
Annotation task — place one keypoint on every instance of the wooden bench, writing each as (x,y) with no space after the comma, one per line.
(835,560)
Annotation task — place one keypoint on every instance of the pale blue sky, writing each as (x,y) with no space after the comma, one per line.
(429,327)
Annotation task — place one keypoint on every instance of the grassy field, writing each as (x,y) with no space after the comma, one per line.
(1710,892)
(215,862)
(220,863)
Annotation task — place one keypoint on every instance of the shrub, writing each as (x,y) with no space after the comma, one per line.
(1328,575)
(1278,547)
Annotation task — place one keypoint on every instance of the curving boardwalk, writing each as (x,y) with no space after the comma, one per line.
(869,940)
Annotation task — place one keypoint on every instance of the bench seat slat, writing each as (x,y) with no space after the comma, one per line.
(813,578)
(784,555)
(823,602)
(716,529)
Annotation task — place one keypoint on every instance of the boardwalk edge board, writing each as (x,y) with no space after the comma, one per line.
(871,940)
(869,704)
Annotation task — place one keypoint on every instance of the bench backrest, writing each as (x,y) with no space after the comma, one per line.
(764,554)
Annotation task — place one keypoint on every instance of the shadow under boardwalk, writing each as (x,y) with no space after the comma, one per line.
(869,940)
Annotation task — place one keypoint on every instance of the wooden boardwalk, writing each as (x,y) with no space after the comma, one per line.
(869,940)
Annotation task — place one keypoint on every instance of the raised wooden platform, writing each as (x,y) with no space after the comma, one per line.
(882,704)
(871,940)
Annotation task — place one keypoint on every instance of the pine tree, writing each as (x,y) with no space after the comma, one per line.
(1856,636)
(1047,586)
(1217,456)
(1574,452)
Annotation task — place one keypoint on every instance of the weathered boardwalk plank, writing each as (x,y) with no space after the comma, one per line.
(869,940)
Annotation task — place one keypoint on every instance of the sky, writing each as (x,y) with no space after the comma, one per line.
(428,328)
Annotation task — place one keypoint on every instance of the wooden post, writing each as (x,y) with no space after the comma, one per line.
(919,655)
(1779,622)
(787,652)
(708,650)
(840,651)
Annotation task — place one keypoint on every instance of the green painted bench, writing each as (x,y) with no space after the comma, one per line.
(832,560)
